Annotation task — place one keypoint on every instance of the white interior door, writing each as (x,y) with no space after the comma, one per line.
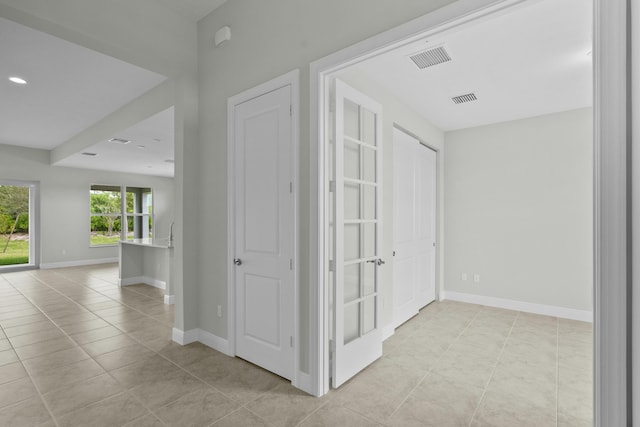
(357,226)
(264,232)
(414,183)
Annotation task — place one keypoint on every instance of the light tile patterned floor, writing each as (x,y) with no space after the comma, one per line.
(76,350)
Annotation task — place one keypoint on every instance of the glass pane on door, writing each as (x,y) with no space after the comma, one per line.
(356,226)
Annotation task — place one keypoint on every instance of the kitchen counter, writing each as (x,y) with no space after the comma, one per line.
(147,261)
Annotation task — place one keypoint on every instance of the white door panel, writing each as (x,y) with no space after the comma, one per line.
(414,226)
(264,278)
(356,226)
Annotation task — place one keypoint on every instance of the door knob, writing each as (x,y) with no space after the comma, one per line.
(237,261)
(379,261)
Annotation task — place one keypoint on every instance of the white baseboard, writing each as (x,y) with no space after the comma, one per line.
(206,338)
(142,279)
(214,341)
(184,337)
(65,264)
(527,307)
(169,299)
(387,331)
(304,383)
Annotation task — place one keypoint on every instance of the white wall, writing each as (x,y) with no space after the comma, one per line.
(64,203)
(518,208)
(268,39)
(397,113)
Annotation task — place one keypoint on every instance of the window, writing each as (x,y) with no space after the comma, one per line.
(108,209)
(139,213)
(106,215)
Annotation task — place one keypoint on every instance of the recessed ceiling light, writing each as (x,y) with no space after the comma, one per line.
(18,80)
(119,141)
(142,147)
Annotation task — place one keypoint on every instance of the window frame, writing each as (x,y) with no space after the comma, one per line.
(123,213)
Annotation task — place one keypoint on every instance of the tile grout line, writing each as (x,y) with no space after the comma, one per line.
(493,371)
(80,346)
(35,386)
(432,367)
(43,282)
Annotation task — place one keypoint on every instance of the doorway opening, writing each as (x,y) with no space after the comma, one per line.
(419,48)
(18,225)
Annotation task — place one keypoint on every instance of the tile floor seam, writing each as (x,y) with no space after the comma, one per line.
(252,413)
(88,310)
(78,345)
(22,288)
(433,365)
(35,386)
(493,371)
(39,393)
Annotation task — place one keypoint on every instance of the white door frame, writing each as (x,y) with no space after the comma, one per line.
(291,79)
(612,252)
(34,225)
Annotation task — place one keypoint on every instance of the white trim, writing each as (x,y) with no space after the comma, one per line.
(169,299)
(388,331)
(527,307)
(635,200)
(613,239)
(184,337)
(447,17)
(200,335)
(214,341)
(142,279)
(291,79)
(81,263)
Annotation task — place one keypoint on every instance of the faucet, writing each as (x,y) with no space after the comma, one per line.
(171,234)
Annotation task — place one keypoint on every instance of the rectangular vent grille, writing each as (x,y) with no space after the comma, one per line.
(86,153)
(464,98)
(431,57)
(119,141)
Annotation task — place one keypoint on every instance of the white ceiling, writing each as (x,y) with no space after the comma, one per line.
(193,10)
(69,87)
(530,61)
(148,153)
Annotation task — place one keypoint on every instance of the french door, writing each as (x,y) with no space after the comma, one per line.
(357,226)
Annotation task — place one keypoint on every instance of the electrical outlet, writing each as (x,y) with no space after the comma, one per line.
(219,311)
(476,278)
(463,277)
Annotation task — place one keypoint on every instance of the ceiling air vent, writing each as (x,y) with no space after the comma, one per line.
(86,153)
(430,57)
(464,98)
(119,141)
